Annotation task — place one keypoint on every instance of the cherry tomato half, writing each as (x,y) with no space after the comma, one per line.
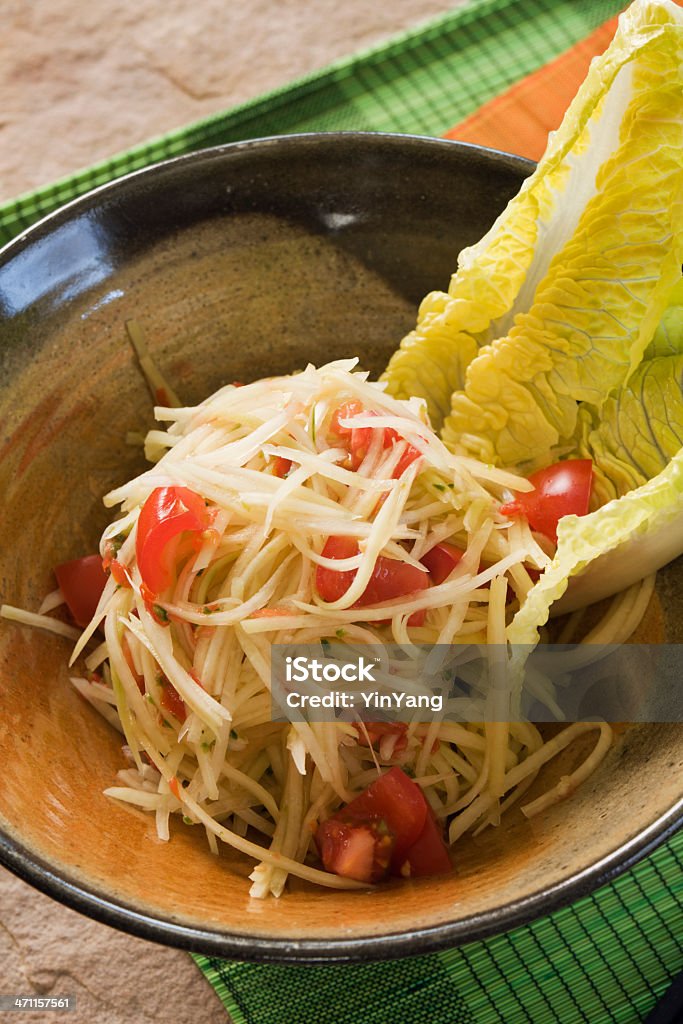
(560,490)
(441,560)
(390,578)
(82,581)
(359,439)
(167,513)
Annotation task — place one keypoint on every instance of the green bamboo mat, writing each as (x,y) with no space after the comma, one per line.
(610,956)
(607,958)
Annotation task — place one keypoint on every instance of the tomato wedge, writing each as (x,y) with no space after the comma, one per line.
(374,732)
(441,560)
(82,581)
(429,854)
(172,702)
(390,579)
(360,438)
(398,801)
(118,571)
(357,438)
(560,490)
(168,513)
(388,828)
(281,466)
(360,850)
(410,455)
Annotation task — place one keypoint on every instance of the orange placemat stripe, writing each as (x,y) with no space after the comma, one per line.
(519,119)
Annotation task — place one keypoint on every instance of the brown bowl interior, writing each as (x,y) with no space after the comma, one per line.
(236,294)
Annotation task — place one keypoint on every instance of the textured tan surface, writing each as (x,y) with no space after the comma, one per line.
(79,82)
(115,979)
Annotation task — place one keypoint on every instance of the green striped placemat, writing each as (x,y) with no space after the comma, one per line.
(607,958)
(610,956)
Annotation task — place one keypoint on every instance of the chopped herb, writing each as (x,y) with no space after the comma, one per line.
(199,572)
(206,747)
(440,487)
(111,550)
(340,634)
(117,542)
(160,613)
(234,735)
(187,821)
(325,643)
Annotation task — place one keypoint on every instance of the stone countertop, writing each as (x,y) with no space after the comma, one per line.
(82,81)
(48,950)
(78,83)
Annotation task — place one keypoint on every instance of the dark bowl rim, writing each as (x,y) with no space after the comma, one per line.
(86,200)
(263,949)
(87,900)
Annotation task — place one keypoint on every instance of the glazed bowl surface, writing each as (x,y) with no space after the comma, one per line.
(239,262)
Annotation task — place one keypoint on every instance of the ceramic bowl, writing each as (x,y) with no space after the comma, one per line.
(242,261)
